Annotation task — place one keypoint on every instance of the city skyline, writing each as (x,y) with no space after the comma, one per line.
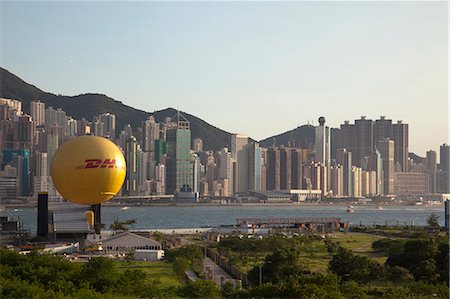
(219,59)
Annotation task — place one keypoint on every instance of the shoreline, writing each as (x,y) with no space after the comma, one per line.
(34,205)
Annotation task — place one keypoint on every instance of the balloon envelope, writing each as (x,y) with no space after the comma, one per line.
(88,170)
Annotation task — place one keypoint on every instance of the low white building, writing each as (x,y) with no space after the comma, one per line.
(148,255)
(127,242)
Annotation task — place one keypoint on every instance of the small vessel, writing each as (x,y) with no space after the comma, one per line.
(379,207)
(124,208)
(349,209)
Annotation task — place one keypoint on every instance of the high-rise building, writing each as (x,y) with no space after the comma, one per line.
(254,166)
(323,147)
(347,135)
(401,146)
(197,145)
(37,111)
(150,133)
(363,144)
(444,157)
(273,169)
(297,157)
(20,159)
(431,169)
(132,161)
(443,177)
(239,152)
(285,168)
(225,170)
(382,129)
(386,148)
(109,125)
(344,158)
(179,169)
(24,133)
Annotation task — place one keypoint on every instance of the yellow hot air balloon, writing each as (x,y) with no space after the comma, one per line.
(88,170)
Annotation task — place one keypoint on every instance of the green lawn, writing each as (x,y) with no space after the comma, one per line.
(360,243)
(158,271)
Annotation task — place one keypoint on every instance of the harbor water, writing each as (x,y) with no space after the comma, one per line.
(170,217)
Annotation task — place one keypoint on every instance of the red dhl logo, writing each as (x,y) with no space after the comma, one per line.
(99,163)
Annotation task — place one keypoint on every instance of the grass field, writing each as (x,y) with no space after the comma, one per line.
(159,271)
(315,256)
(360,243)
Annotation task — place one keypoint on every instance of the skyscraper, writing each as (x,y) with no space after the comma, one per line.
(344,158)
(150,133)
(131,158)
(239,152)
(363,145)
(179,169)
(386,148)
(273,169)
(431,168)
(197,145)
(323,147)
(254,166)
(109,125)
(401,145)
(37,111)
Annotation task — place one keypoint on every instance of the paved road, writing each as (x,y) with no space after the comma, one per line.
(215,273)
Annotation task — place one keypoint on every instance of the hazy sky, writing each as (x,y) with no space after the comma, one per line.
(258,68)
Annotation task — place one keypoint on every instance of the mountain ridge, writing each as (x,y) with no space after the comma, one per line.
(88,105)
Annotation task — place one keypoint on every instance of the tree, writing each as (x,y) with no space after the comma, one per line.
(433,220)
(398,274)
(200,289)
(100,273)
(121,226)
(282,263)
(354,267)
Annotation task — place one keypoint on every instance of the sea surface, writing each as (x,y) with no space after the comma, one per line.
(168,217)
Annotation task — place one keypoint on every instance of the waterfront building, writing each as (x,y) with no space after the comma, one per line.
(336,180)
(323,146)
(344,158)
(401,146)
(273,169)
(20,159)
(431,170)
(239,152)
(410,183)
(132,161)
(285,168)
(443,176)
(357,181)
(225,169)
(298,156)
(363,145)
(37,111)
(386,148)
(179,169)
(254,166)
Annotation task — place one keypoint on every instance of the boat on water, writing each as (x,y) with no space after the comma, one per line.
(124,208)
(349,209)
(379,207)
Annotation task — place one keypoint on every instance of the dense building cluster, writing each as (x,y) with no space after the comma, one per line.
(367,158)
